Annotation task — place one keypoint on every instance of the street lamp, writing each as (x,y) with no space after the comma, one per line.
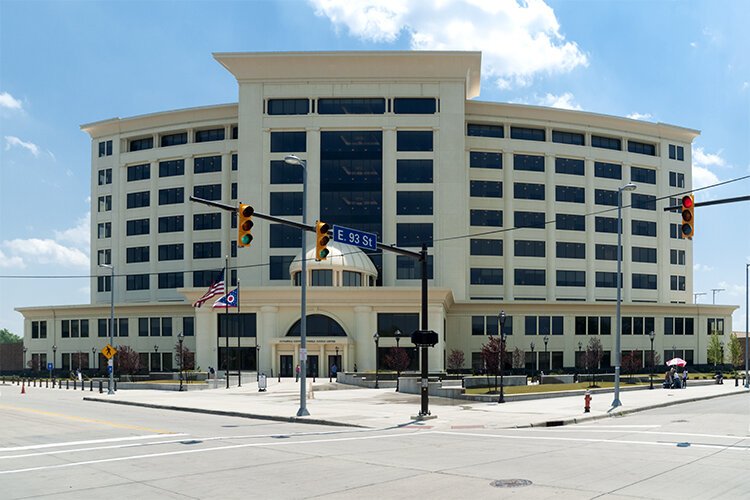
(618,331)
(23,367)
(180,338)
(110,362)
(651,375)
(156,351)
(747,323)
(546,355)
(397,334)
(54,355)
(295,160)
(377,344)
(533,356)
(501,320)
(257,360)
(93,358)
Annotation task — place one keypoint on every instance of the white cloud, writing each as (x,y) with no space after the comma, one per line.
(745,86)
(732,289)
(11,141)
(693,44)
(702,268)
(564,101)
(702,164)
(11,262)
(79,235)
(9,102)
(640,116)
(69,248)
(518,40)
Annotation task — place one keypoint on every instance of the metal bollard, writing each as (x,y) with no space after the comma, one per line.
(91,385)
(46,384)
(67,385)
(75,386)
(100,387)
(83,385)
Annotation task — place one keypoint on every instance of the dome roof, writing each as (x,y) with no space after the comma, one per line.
(341,257)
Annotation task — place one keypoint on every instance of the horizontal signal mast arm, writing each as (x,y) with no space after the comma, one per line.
(711,202)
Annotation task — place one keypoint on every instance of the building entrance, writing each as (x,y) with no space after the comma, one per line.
(312,366)
(286,365)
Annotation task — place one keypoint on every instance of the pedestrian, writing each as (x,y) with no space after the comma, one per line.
(672,375)
(296,373)
(355,367)
(684,378)
(334,369)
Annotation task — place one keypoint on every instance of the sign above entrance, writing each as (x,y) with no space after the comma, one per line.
(356,238)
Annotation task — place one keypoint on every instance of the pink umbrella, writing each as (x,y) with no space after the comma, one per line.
(676,362)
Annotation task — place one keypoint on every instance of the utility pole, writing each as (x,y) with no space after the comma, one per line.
(696,295)
(714,290)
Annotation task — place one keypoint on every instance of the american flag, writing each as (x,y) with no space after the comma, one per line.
(216,288)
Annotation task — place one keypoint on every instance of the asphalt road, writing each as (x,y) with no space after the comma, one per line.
(53,444)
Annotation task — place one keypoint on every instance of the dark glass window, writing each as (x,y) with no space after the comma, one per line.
(408,268)
(174,139)
(677,257)
(643,228)
(567,138)
(388,323)
(414,234)
(202,222)
(486,189)
(676,179)
(171,252)
(105,176)
(486,276)
(351,106)
(570,194)
(677,283)
(279,267)
(527,134)
(484,159)
(606,224)
(234,162)
(527,191)
(234,191)
(526,248)
(486,247)
(598,141)
(414,171)
(288,142)
(530,277)
(351,278)
(569,166)
(643,201)
(321,277)
(641,148)
(571,278)
(284,173)
(414,203)
(139,172)
(235,132)
(170,196)
(675,152)
(207,250)
(478,130)
(205,278)
(105,149)
(172,224)
(570,222)
(104,230)
(605,197)
(171,280)
(214,134)
(288,106)
(644,281)
(643,254)
(645,175)
(414,140)
(136,227)
(529,219)
(606,252)
(207,164)
(139,199)
(136,254)
(171,168)
(493,218)
(414,105)
(674,231)
(208,191)
(283,236)
(137,282)
(141,144)
(531,163)
(606,280)
(286,203)
(567,250)
(607,170)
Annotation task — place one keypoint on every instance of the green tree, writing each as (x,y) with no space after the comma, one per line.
(735,351)
(455,359)
(714,350)
(6,337)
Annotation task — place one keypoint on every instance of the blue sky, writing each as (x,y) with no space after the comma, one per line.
(63,64)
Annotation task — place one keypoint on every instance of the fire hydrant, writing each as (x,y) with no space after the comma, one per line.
(587,402)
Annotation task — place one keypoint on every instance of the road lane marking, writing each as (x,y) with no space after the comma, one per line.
(84,419)
(657,433)
(89,441)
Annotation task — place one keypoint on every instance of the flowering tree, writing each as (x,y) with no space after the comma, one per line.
(127,361)
(491,356)
(593,356)
(455,359)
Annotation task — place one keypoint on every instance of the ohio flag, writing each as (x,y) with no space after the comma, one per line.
(229,301)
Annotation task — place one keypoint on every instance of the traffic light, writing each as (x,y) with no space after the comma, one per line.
(321,240)
(244,225)
(687,230)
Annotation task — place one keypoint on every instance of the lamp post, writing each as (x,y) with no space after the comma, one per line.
(618,327)
(713,292)
(23,367)
(110,362)
(257,360)
(747,323)
(721,344)
(651,374)
(377,344)
(54,355)
(295,160)
(156,352)
(533,356)
(180,338)
(546,354)
(93,358)
(501,320)
(397,334)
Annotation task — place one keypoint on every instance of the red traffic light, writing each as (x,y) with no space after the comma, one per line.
(687,201)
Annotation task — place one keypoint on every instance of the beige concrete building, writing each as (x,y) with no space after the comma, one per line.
(518,205)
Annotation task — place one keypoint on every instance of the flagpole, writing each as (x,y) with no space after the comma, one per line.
(239,338)
(227,281)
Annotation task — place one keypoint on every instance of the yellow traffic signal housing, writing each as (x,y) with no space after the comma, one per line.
(244,225)
(687,229)
(321,240)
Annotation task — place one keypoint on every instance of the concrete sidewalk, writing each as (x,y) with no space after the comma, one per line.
(341,405)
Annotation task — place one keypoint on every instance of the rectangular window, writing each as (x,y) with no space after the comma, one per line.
(105,203)
(136,254)
(530,277)
(351,106)
(208,192)
(414,171)
(677,179)
(485,159)
(479,130)
(645,175)
(526,248)
(677,283)
(486,189)
(288,142)
(486,247)
(527,134)
(567,250)
(171,168)
(644,281)
(414,105)
(171,196)
(408,268)
(642,254)
(283,236)
(606,280)
(414,203)
(570,222)
(234,162)
(286,203)
(643,201)
(528,191)
(105,176)
(202,222)
(171,280)
(570,194)
(641,148)
(414,140)
(141,144)
(279,267)
(569,166)
(288,106)
(174,251)
(486,276)
(715,326)
(351,278)
(530,163)
(139,199)
(104,256)
(492,218)
(606,252)
(214,134)
(677,257)
(643,228)
(529,219)
(154,327)
(607,170)
(598,141)
(137,282)
(207,164)
(567,138)
(136,227)
(321,277)
(477,325)
(172,224)
(105,148)
(414,234)
(143,327)
(207,250)
(103,283)
(605,225)
(605,197)
(173,139)
(571,278)
(284,173)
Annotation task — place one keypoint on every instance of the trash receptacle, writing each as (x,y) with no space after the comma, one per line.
(262,382)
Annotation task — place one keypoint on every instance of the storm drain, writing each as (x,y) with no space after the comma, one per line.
(683,445)
(510,483)
(192,441)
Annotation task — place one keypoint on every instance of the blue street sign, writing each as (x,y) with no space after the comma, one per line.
(359,239)
(109,369)
(50,366)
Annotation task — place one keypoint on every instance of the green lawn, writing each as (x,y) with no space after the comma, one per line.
(528,389)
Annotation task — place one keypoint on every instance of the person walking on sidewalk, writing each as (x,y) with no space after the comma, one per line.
(296,373)
(684,378)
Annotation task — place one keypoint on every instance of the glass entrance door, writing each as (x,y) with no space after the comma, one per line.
(312,366)
(286,365)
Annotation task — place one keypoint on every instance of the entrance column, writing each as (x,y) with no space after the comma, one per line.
(365,326)
(265,333)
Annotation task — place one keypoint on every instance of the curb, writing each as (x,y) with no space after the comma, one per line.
(296,420)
